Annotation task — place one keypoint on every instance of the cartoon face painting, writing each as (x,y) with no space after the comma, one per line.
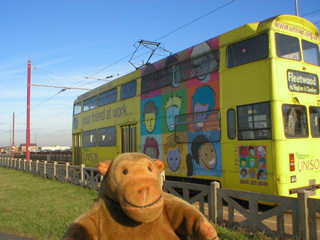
(207,156)
(262,174)
(204,154)
(173,107)
(251,151)
(150,121)
(150,115)
(252,162)
(243,172)
(151,148)
(172,150)
(202,101)
(171,113)
(202,66)
(174,159)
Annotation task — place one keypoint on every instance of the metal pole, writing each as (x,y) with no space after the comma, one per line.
(297,11)
(13,136)
(28,113)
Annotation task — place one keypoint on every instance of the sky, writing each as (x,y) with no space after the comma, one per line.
(68,40)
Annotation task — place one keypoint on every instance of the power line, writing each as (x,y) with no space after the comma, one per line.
(185,25)
(197,19)
(63,88)
(310,13)
(41,120)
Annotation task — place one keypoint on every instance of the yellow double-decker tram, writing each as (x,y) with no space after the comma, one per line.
(241,108)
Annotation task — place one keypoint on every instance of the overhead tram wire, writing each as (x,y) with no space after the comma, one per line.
(197,19)
(310,13)
(58,114)
(185,25)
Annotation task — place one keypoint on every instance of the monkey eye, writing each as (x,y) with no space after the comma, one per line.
(150,169)
(125,171)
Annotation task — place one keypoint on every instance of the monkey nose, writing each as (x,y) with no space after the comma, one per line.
(143,193)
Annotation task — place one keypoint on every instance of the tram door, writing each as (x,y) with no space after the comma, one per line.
(77,143)
(129,138)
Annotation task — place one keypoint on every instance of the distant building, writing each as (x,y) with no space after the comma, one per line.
(8,150)
(33,147)
(55,148)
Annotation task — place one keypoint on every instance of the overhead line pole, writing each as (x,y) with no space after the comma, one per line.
(28,112)
(12,149)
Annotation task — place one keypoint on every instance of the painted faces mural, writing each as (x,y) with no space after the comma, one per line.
(253,162)
(189,90)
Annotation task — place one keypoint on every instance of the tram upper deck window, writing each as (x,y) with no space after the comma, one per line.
(288,47)
(198,67)
(315,121)
(77,108)
(128,90)
(311,53)
(108,97)
(247,51)
(90,103)
(295,121)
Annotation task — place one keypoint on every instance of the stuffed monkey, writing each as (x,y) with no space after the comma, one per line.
(132,205)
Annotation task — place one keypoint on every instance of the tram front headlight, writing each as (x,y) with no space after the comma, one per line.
(293,178)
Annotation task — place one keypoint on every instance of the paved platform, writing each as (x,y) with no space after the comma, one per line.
(6,236)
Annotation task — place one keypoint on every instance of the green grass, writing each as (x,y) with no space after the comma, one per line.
(39,208)
(43,209)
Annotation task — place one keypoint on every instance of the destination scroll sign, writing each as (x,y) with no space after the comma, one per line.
(303,82)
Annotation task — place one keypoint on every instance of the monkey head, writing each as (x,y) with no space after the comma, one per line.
(133,180)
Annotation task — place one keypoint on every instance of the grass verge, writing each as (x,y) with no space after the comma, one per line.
(43,209)
(39,208)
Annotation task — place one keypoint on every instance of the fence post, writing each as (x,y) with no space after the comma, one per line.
(54,170)
(45,169)
(213,204)
(82,166)
(30,165)
(37,167)
(303,214)
(24,165)
(67,173)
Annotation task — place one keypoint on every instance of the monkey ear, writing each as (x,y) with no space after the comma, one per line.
(159,164)
(104,166)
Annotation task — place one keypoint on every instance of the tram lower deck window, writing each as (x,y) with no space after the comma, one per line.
(89,138)
(315,121)
(107,136)
(254,121)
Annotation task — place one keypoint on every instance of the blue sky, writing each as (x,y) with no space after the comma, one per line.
(67,40)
